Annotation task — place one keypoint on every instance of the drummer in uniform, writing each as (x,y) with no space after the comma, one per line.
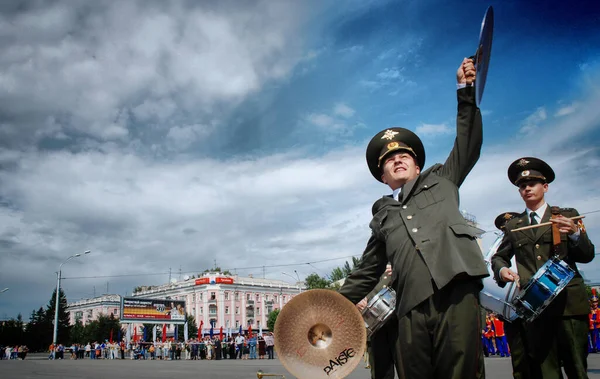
(380,344)
(560,332)
(436,260)
(515,334)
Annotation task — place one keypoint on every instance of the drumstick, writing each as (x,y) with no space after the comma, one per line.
(543,224)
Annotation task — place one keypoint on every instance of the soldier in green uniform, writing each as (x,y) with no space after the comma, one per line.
(380,344)
(559,334)
(515,332)
(437,263)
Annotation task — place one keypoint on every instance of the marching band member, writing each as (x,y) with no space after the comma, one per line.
(594,319)
(566,316)
(436,261)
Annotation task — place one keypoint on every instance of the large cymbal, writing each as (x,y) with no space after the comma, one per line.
(320,334)
(484,52)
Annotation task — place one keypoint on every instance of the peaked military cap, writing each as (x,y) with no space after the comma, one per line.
(390,140)
(530,168)
(503,218)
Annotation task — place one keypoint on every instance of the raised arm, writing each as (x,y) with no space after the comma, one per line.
(469,129)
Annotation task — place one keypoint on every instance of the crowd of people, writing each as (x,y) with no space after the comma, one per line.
(256,346)
(13,352)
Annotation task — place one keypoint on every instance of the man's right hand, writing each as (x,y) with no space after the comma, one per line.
(509,275)
(362,304)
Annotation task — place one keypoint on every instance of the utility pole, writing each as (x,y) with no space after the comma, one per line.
(169,274)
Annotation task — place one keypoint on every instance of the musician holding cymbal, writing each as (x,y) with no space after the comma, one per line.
(436,261)
(560,332)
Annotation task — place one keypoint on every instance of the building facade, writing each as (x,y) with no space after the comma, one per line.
(90,309)
(227,301)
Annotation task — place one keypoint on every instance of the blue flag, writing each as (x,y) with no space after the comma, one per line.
(175,335)
(211,331)
(240,332)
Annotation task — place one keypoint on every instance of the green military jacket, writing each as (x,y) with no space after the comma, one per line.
(533,248)
(424,235)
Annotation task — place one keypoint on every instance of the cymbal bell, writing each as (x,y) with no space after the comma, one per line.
(320,334)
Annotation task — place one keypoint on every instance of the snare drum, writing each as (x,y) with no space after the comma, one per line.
(379,309)
(493,297)
(545,285)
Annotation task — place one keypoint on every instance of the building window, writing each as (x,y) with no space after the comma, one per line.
(213,296)
(250,322)
(266,297)
(116,312)
(284,299)
(237,296)
(227,324)
(258,324)
(237,324)
(193,298)
(237,310)
(248,297)
(226,295)
(193,311)
(258,311)
(78,315)
(213,322)
(212,310)
(200,296)
(275,297)
(226,310)
(257,298)
(201,310)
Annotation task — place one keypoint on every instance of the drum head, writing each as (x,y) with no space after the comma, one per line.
(484,51)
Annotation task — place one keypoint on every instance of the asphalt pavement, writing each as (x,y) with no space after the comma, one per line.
(37,366)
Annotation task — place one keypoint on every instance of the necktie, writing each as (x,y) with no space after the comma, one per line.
(533,220)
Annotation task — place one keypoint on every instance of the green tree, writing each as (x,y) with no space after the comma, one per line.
(337,274)
(38,331)
(314,281)
(12,331)
(63,335)
(272,319)
(77,333)
(100,329)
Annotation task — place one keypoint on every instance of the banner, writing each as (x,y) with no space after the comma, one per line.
(152,311)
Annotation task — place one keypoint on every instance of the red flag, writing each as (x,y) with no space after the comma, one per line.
(111,333)
(200,334)
(221,334)
(249,331)
(134,334)
(164,333)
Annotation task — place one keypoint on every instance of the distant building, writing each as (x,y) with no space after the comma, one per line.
(214,299)
(90,309)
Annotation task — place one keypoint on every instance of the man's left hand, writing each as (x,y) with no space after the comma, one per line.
(466,72)
(565,225)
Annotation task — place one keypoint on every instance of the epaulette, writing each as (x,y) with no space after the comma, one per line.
(567,210)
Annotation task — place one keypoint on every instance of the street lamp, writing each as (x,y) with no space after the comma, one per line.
(58,274)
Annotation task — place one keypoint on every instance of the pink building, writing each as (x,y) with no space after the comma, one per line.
(214,298)
(89,309)
(227,301)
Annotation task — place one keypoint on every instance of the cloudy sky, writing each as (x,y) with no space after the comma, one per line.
(173,135)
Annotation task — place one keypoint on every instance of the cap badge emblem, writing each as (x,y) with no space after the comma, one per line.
(525,173)
(523,162)
(389,134)
(392,145)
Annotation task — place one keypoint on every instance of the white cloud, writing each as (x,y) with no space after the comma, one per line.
(321,119)
(531,123)
(87,66)
(566,110)
(343,110)
(434,129)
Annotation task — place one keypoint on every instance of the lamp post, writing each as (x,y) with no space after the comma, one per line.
(56,304)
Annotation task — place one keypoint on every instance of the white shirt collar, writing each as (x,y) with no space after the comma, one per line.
(539,212)
(396,193)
